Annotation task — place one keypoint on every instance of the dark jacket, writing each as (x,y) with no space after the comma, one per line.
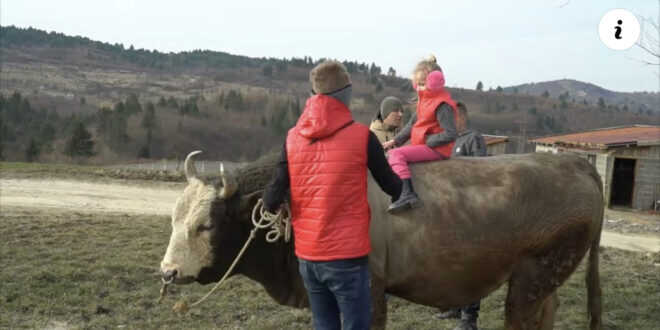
(470,143)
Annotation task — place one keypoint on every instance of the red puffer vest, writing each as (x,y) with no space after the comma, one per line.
(327,158)
(427,122)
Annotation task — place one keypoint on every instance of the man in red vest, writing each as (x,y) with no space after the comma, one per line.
(324,164)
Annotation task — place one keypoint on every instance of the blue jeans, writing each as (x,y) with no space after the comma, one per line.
(338,287)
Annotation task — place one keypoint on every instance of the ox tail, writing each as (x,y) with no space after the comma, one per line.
(594,301)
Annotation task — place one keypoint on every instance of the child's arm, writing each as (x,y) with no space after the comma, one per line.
(404,135)
(445,116)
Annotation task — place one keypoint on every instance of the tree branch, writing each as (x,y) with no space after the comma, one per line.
(642,61)
(642,46)
(564,4)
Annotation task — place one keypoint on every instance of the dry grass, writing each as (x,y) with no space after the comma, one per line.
(101,271)
(64,269)
(79,172)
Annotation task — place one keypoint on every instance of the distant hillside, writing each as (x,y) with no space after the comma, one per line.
(578,91)
(146,104)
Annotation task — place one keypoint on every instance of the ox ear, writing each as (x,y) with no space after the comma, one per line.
(229,185)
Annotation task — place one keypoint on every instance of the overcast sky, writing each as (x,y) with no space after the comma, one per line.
(498,42)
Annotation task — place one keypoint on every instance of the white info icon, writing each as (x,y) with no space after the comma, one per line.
(619,29)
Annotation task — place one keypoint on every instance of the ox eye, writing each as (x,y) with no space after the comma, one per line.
(205,227)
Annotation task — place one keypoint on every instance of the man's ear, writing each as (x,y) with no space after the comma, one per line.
(248,201)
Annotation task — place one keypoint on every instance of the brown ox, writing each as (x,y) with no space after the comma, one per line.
(523,219)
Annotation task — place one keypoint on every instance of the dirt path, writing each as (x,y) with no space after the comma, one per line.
(156,198)
(153,198)
(630,242)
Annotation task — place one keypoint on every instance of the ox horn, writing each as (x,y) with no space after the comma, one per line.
(189,166)
(229,186)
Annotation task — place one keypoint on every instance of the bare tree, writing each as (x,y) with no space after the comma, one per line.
(649,39)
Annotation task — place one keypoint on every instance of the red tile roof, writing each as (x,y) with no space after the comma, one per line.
(608,137)
(494,139)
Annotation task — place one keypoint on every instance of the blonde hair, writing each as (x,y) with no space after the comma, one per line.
(426,66)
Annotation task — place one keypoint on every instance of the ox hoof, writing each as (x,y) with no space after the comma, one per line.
(467,325)
(453,313)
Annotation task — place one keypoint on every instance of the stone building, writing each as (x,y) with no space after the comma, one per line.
(627,159)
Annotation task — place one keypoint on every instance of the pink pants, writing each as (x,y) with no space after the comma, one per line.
(400,157)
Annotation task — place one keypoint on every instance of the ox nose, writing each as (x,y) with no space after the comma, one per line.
(169,276)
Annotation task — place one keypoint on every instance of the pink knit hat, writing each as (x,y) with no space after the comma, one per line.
(435,81)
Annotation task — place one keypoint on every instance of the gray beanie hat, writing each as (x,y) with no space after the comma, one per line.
(329,76)
(389,104)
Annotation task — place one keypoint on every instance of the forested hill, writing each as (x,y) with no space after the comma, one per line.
(585,92)
(137,103)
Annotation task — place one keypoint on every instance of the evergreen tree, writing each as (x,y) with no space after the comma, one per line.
(132,104)
(281,66)
(32,151)
(221,99)
(391,72)
(172,103)
(80,143)
(144,152)
(379,87)
(267,70)
(47,133)
(149,117)
(149,123)
(3,129)
(480,86)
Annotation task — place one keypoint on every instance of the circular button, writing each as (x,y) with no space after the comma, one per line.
(619,29)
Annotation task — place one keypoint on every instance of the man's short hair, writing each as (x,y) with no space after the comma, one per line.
(329,76)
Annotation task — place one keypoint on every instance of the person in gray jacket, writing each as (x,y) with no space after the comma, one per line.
(468,142)
(387,122)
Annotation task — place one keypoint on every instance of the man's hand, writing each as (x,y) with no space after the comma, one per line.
(388,145)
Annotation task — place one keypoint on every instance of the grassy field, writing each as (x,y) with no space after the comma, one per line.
(18,170)
(64,269)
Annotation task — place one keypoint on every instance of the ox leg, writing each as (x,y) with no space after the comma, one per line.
(531,300)
(378,304)
(526,298)
(547,316)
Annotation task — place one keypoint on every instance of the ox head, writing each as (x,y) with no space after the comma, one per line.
(196,218)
